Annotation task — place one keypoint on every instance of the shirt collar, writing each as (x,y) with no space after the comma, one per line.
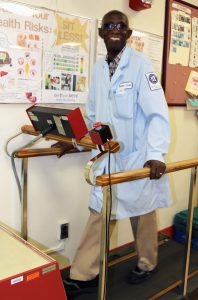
(116,58)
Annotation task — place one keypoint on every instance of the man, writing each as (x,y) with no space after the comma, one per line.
(126,94)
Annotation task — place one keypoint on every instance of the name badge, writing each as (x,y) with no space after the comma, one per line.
(123,87)
(126,85)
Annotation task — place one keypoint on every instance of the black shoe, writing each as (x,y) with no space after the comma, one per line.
(138,276)
(76,287)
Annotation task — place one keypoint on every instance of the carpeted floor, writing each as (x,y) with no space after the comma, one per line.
(169,270)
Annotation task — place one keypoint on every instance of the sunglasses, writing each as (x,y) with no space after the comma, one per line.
(111,26)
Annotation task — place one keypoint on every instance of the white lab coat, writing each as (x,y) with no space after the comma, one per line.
(133,104)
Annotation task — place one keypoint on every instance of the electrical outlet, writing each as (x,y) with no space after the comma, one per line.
(63,230)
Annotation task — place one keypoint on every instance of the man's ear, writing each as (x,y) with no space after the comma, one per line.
(101,33)
(129,33)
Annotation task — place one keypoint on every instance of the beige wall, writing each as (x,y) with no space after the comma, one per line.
(57,189)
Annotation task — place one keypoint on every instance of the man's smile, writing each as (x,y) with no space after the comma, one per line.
(114,38)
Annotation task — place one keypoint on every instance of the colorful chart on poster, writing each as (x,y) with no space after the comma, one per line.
(44,55)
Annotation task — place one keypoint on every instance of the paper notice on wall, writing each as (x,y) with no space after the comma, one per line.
(151,45)
(193,62)
(192,84)
(180,38)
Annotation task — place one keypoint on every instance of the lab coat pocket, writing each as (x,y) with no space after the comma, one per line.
(129,192)
(123,105)
(131,161)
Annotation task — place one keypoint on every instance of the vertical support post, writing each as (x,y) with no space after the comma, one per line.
(191,205)
(104,245)
(24,231)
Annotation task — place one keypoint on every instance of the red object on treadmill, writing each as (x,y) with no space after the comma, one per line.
(100,133)
(77,123)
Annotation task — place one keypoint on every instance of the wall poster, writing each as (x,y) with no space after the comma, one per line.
(151,45)
(44,55)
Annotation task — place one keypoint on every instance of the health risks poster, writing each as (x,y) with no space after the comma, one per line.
(44,55)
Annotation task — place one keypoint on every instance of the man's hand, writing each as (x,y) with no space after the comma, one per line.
(157,168)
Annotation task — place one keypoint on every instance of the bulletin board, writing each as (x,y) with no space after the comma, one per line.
(180,49)
(44,55)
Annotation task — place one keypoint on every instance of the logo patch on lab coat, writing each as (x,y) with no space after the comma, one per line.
(153,81)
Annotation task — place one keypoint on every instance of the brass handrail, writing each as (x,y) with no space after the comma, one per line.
(37,152)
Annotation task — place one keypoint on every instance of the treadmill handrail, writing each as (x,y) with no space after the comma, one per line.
(119,177)
(85,141)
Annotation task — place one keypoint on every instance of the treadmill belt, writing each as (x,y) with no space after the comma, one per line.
(169,270)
